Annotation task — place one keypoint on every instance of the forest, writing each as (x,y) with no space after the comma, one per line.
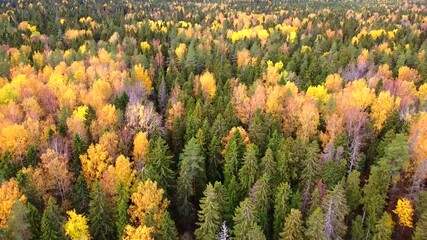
(213,120)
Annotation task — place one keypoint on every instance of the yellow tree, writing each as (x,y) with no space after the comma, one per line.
(142,75)
(382,107)
(405,212)
(9,194)
(208,85)
(14,139)
(140,233)
(76,226)
(122,172)
(95,162)
(308,118)
(180,50)
(140,146)
(148,205)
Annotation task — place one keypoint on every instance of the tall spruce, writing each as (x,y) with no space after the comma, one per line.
(100,215)
(293,229)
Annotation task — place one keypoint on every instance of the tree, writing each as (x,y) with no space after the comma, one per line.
(94,163)
(9,195)
(121,173)
(382,107)
(293,229)
(268,165)
(142,75)
(352,190)
(214,160)
(140,148)
(315,225)
(384,228)
(259,130)
(281,207)
(260,196)
(148,205)
(396,156)
(208,85)
(100,214)
(168,229)
(140,233)
(76,226)
(420,232)
(34,220)
(122,218)
(209,215)
(335,209)
(81,195)
(248,173)
(191,178)
(245,226)
(51,222)
(405,212)
(159,164)
(18,223)
(79,148)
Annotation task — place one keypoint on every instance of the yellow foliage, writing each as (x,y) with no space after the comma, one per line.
(243,58)
(95,162)
(75,123)
(15,139)
(308,118)
(148,201)
(408,74)
(121,173)
(333,82)
(76,226)
(180,50)
(356,94)
(142,232)
(275,97)
(145,46)
(318,93)
(9,194)
(140,146)
(418,138)
(38,59)
(143,75)
(104,56)
(208,85)
(405,212)
(292,36)
(382,107)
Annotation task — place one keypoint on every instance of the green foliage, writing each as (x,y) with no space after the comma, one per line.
(100,214)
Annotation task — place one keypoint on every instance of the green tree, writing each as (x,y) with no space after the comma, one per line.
(248,173)
(122,209)
(81,195)
(315,225)
(261,197)
(396,156)
(209,215)
(268,165)
(335,210)
(51,222)
(292,229)
(358,231)
(245,227)
(420,232)
(100,215)
(34,219)
(384,228)
(352,190)
(214,161)
(281,207)
(18,225)
(159,164)
(79,148)
(167,229)
(258,131)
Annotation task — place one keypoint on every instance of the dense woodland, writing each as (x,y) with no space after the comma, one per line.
(244,120)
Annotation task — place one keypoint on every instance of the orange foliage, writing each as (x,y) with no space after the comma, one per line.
(9,194)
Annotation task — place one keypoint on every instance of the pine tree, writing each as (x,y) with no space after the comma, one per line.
(315,225)
(122,210)
(245,227)
(281,207)
(248,173)
(191,179)
(293,229)
(384,228)
(210,213)
(51,222)
(100,215)
(159,164)
(335,209)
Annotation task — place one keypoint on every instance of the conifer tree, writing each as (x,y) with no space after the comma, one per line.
(268,165)
(281,207)
(384,228)
(248,173)
(352,190)
(214,160)
(421,226)
(335,210)
(18,226)
(51,222)
(81,195)
(258,131)
(34,220)
(293,229)
(167,229)
(245,227)
(122,210)
(315,225)
(100,215)
(209,215)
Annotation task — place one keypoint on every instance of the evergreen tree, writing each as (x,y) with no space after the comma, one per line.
(191,179)
(122,209)
(167,229)
(261,196)
(81,195)
(396,154)
(79,148)
(268,166)
(352,190)
(248,173)
(281,207)
(384,228)
(293,229)
(315,225)
(420,232)
(100,215)
(245,227)
(159,164)
(258,131)
(18,226)
(214,161)
(335,210)
(357,229)
(209,222)
(51,222)
(34,219)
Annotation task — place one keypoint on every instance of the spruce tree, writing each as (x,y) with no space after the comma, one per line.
(209,215)
(159,164)
(122,210)
(384,228)
(352,190)
(100,215)
(315,225)
(293,229)
(167,229)
(18,226)
(281,207)
(245,226)
(420,232)
(358,231)
(214,160)
(335,210)
(81,195)
(51,222)
(248,173)
(261,196)
(258,131)
(34,219)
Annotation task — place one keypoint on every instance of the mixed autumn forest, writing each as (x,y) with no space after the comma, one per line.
(245,120)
